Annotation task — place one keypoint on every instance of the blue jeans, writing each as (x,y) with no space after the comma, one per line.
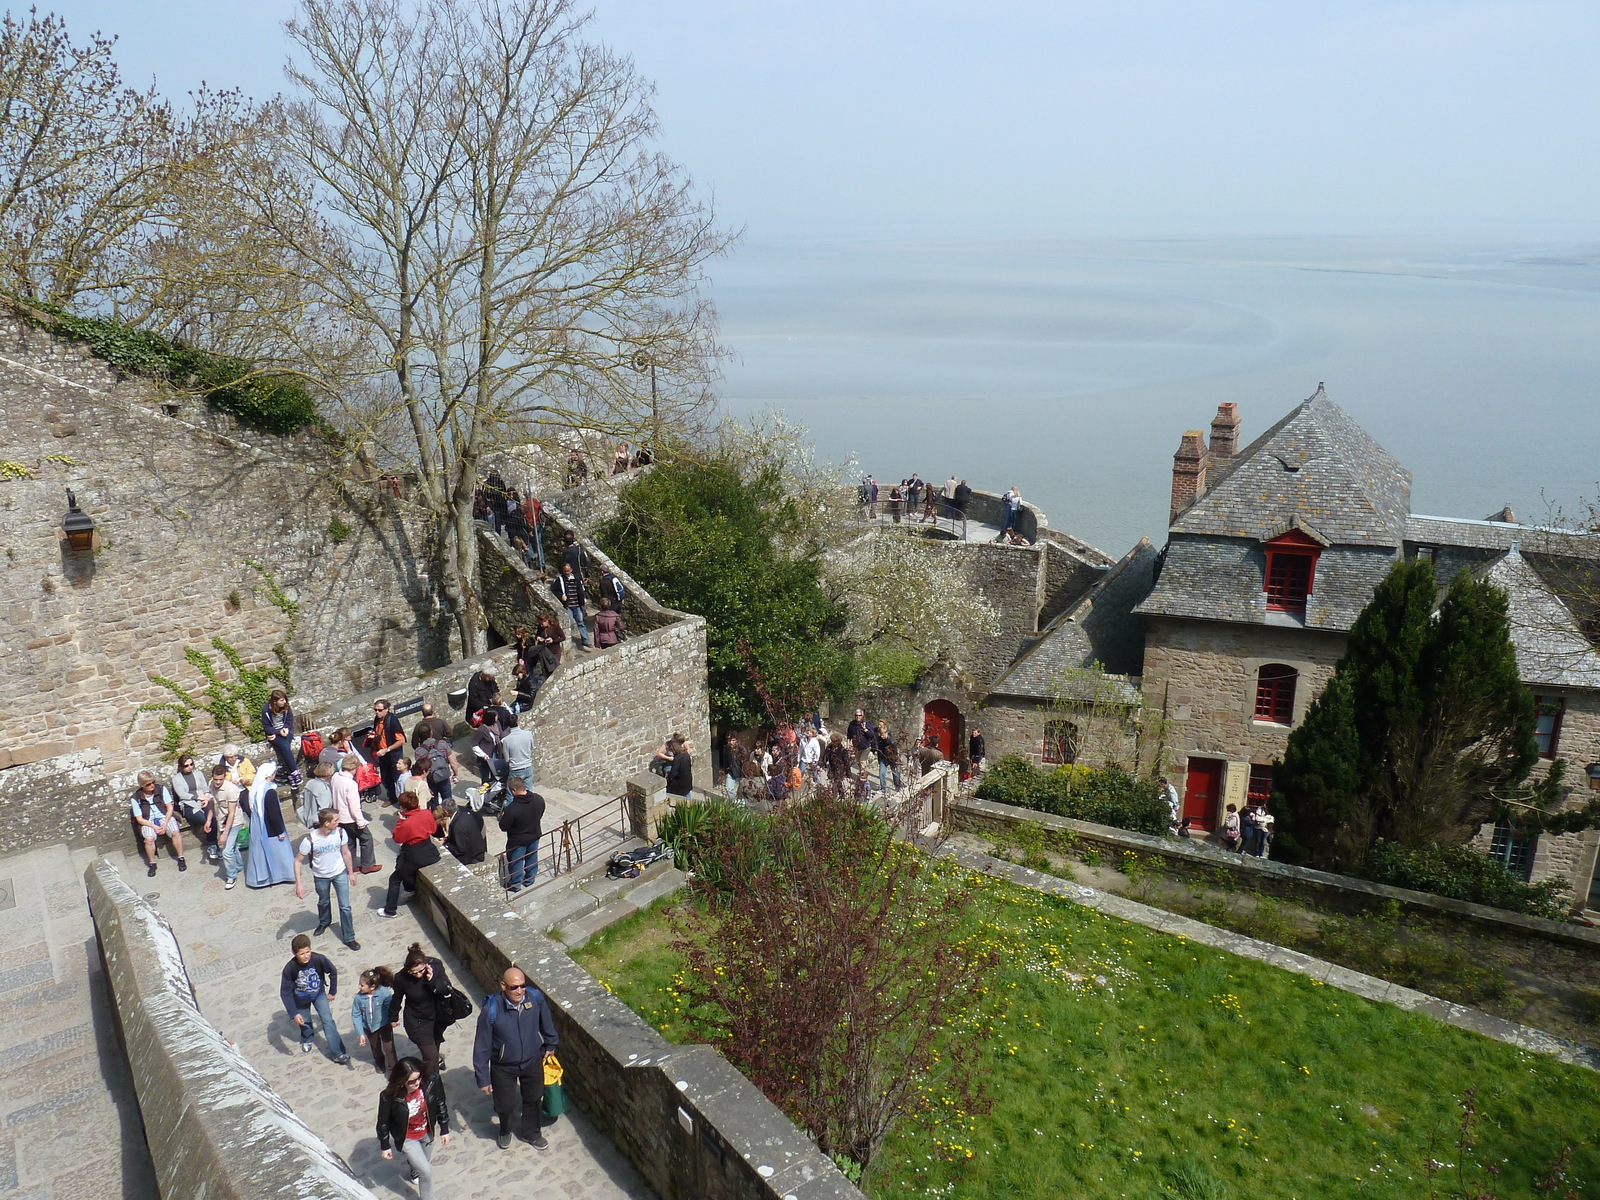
(329,1029)
(339,884)
(522,866)
(232,857)
(523,773)
(284,749)
(578,624)
(730,785)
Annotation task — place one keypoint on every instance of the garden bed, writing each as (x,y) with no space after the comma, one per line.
(1131,1063)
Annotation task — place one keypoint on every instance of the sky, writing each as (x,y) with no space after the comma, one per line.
(888,118)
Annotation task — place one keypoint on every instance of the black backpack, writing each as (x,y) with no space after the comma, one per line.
(614,590)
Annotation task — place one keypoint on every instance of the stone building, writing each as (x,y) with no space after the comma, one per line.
(1272,552)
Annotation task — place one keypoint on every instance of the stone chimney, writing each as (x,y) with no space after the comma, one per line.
(1188,472)
(1225,432)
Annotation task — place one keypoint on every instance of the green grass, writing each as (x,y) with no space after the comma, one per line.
(1130,1064)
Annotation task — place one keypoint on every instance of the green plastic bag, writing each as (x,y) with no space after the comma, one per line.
(555,1099)
(242,838)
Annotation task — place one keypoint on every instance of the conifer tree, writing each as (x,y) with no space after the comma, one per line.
(1424,733)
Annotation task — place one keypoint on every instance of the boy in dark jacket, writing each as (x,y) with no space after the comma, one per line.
(309,982)
(515,1035)
(465,838)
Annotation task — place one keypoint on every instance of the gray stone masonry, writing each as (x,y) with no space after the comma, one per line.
(234,944)
(181,498)
(694,1127)
(1534,1041)
(1343,893)
(215,1127)
(69,1118)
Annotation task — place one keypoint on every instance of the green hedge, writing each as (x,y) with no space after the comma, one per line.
(1105,796)
(1462,873)
(269,403)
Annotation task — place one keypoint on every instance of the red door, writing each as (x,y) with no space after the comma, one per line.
(1202,791)
(942,720)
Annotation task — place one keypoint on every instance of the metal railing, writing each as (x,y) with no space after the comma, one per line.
(562,850)
(953,524)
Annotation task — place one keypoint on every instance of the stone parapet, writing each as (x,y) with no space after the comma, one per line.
(1342,893)
(216,1129)
(693,1125)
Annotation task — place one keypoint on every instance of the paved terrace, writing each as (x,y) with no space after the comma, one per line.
(70,1125)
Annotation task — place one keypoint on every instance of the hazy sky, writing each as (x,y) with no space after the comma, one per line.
(1063,117)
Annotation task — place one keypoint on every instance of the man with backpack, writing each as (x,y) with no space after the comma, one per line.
(440,766)
(515,1036)
(568,588)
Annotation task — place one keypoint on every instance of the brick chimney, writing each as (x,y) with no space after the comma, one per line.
(1225,432)
(1188,472)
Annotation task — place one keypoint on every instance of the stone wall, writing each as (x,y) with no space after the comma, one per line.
(694,1126)
(1202,676)
(181,498)
(1573,856)
(1014,726)
(1341,893)
(215,1128)
(1011,579)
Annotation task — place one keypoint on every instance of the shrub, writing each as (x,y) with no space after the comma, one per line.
(1105,796)
(715,837)
(269,403)
(1462,873)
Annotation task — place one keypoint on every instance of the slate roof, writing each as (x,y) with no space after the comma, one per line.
(1101,628)
(1552,623)
(1224,579)
(1499,535)
(1317,464)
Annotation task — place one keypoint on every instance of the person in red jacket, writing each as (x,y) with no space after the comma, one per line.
(413,833)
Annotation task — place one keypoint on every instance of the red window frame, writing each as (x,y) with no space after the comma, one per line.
(1275,687)
(1548,737)
(1060,742)
(1260,783)
(1291,571)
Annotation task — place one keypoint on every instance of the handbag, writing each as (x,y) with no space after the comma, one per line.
(367,777)
(555,1095)
(458,1005)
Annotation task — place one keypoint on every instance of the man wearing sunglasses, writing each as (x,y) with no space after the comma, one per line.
(515,1035)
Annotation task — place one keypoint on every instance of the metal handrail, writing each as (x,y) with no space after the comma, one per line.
(562,848)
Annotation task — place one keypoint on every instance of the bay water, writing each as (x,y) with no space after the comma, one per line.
(1072,368)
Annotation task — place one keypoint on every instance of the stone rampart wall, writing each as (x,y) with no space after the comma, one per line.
(694,1126)
(1341,893)
(181,499)
(1011,579)
(215,1128)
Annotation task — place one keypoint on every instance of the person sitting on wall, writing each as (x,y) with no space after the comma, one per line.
(151,809)
(465,837)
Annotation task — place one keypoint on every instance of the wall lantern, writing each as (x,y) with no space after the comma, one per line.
(1593,772)
(78,526)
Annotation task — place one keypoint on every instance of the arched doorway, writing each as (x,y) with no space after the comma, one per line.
(942,720)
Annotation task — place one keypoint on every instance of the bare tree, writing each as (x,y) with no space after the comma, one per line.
(94,173)
(505,242)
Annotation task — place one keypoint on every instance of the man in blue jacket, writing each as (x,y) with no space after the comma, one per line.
(515,1036)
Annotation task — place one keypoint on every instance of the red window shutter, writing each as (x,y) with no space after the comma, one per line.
(1275,685)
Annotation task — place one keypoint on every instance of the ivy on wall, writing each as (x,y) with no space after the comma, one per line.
(233,703)
(261,401)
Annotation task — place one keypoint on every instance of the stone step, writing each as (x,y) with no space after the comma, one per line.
(629,897)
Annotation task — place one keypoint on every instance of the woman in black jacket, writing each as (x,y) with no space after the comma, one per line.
(680,773)
(420,990)
(410,1107)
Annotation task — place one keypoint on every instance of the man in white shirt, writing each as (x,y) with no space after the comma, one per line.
(328,848)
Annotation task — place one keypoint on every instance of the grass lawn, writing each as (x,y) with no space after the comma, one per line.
(1131,1064)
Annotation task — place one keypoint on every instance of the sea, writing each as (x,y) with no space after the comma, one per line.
(1072,368)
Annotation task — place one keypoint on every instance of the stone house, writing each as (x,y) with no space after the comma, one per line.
(1272,552)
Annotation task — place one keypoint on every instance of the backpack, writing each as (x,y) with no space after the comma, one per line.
(438,762)
(629,864)
(311,744)
(614,590)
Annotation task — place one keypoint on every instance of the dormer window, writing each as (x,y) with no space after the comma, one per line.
(1291,571)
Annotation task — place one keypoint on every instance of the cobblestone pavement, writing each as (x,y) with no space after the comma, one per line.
(236,942)
(69,1124)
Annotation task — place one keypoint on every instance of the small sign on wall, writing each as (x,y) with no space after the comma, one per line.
(1236,785)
